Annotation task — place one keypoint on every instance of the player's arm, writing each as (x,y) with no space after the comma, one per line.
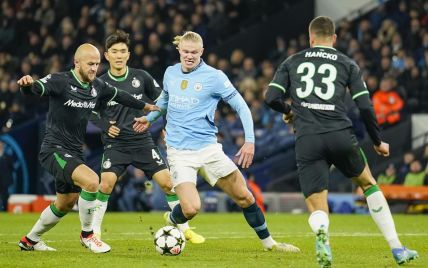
(47,86)
(225,89)
(246,153)
(111,93)
(143,123)
(99,119)
(276,93)
(361,96)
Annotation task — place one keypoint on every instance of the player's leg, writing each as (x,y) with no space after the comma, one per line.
(350,159)
(113,164)
(184,166)
(87,179)
(108,180)
(381,214)
(163,179)
(234,186)
(313,171)
(48,219)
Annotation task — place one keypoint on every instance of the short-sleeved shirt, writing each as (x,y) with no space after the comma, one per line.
(317,80)
(141,86)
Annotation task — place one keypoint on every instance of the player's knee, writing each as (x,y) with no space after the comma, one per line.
(65,207)
(92,185)
(106,187)
(166,187)
(191,211)
(244,200)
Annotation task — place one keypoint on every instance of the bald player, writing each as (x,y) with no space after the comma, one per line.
(72,97)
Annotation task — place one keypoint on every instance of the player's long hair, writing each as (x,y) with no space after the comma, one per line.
(187,36)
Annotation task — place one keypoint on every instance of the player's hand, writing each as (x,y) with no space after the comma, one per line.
(288,118)
(113,130)
(25,81)
(382,149)
(245,155)
(150,107)
(141,124)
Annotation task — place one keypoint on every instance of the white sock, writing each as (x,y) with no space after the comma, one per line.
(268,242)
(101,208)
(381,215)
(87,207)
(48,219)
(318,219)
(172,202)
(101,205)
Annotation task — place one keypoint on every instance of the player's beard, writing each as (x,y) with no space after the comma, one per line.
(85,76)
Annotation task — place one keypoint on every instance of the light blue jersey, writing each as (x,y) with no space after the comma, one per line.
(190,100)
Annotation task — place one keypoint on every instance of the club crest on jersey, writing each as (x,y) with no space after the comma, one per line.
(184,84)
(197,86)
(107,164)
(93,92)
(135,82)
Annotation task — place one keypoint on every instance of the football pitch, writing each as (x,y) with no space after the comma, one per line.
(355,242)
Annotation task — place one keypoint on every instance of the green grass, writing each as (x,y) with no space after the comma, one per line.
(355,241)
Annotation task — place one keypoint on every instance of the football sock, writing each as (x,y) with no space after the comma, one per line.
(256,220)
(172,200)
(177,216)
(381,214)
(48,219)
(87,206)
(318,219)
(101,207)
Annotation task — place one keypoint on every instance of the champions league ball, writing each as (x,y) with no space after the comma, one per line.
(169,241)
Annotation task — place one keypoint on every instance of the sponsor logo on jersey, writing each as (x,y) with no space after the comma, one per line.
(319,106)
(135,82)
(198,86)
(107,164)
(74,89)
(184,84)
(80,104)
(183,102)
(93,92)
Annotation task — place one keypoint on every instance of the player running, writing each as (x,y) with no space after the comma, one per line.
(316,80)
(192,90)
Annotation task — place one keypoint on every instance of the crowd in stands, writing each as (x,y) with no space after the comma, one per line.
(390,44)
(411,171)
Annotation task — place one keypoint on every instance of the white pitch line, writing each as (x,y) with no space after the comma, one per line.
(233,237)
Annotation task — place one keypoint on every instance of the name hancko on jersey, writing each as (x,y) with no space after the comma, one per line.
(320,54)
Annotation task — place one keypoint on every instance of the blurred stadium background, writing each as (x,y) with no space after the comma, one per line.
(247,40)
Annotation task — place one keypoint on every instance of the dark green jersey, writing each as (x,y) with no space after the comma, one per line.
(140,85)
(70,105)
(316,80)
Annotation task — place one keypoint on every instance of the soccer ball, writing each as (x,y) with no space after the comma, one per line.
(169,241)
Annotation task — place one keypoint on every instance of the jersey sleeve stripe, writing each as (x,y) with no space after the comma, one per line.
(114,96)
(359,94)
(43,87)
(277,86)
